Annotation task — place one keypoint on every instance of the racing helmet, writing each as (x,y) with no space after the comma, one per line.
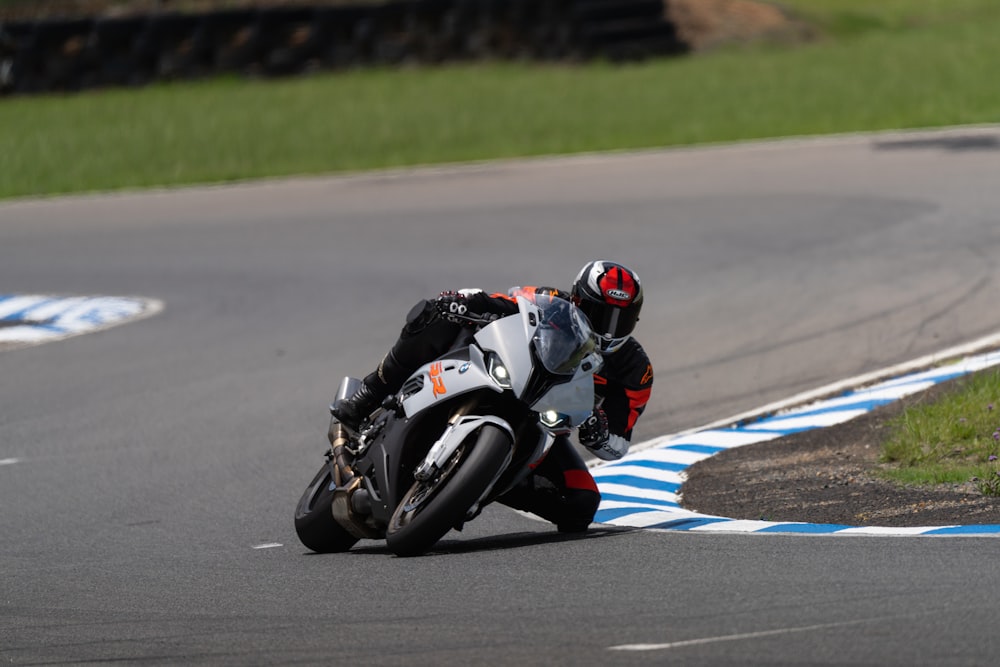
(610,295)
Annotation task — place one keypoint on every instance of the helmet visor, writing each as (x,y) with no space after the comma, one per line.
(609,321)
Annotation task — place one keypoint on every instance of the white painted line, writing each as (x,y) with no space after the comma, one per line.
(883,393)
(890,530)
(268,545)
(9,462)
(798,423)
(638,471)
(638,503)
(732,526)
(652,518)
(678,456)
(725,439)
(740,637)
(647,494)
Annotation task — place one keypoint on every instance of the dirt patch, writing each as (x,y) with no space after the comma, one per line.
(710,24)
(826,476)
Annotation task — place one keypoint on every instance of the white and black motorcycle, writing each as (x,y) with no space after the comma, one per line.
(463,430)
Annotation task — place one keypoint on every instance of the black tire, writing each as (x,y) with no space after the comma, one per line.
(430,509)
(314,522)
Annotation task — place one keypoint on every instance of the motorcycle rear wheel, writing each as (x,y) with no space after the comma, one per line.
(430,509)
(314,522)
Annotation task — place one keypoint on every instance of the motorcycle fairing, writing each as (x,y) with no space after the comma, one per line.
(458,373)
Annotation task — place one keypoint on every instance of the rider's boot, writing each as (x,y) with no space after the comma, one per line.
(375,387)
(355,408)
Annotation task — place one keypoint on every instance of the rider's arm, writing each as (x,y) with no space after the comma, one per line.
(502,304)
(489,304)
(469,305)
(624,385)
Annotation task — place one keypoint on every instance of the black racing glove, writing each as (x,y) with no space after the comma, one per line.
(452,306)
(593,432)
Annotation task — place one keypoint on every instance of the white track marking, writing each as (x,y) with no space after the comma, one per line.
(643,489)
(31,319)
(739,637)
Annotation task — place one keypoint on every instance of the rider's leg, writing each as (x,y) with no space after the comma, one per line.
(562,490)
(373,390)
(424,337)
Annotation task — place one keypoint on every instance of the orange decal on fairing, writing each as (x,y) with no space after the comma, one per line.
(436,379)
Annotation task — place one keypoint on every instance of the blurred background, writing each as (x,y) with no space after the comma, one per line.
(74,44)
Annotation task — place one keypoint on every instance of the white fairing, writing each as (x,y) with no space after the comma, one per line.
(574,398)
(452,376)
(563,343)
(511,338)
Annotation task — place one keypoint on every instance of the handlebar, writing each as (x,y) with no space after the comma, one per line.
(472,318)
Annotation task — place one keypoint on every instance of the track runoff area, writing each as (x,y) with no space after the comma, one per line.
(641,490)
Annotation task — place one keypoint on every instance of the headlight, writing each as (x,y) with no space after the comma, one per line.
(553,419)
(498,371)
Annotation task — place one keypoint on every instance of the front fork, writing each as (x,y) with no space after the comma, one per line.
(452,437)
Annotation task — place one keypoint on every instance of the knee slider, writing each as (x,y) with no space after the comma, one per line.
(581,505)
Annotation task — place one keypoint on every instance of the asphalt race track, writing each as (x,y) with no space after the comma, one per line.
(149,472)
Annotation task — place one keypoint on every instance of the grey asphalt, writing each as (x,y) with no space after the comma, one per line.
(156,455)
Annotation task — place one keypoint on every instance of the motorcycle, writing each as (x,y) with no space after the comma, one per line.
(463,430)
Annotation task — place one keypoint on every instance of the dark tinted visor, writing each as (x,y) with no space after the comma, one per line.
(607,320)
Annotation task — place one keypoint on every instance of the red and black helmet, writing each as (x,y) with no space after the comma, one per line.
(610,295)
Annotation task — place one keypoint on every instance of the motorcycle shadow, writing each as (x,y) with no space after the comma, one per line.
(507,541)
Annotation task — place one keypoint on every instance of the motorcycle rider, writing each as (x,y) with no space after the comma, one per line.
(561,490)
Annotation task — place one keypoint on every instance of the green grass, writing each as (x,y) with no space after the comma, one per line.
(910,72)
(846,17)
(952,440)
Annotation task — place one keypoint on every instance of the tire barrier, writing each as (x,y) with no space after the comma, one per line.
(82,53)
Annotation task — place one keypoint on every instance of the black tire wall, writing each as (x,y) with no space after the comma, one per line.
(82,53)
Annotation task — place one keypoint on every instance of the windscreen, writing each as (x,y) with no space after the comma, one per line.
(563,338)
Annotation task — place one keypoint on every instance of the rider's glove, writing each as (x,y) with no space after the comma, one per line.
(593,432)
(452,306)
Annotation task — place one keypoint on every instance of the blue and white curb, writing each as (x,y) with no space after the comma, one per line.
(642,489)
(30,319)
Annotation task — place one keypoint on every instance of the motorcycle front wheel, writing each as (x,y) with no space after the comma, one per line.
(430,508)
(314,522)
